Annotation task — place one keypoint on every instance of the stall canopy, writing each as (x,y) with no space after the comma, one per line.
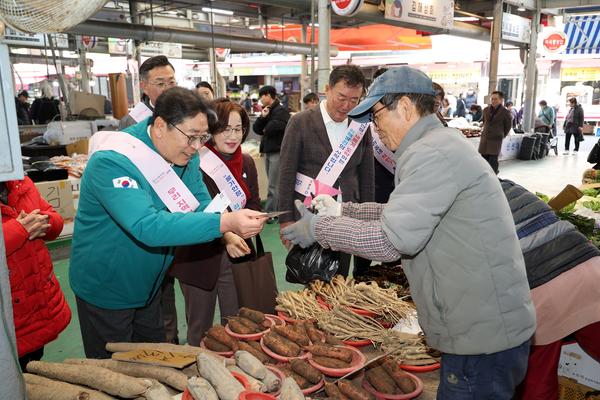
(583,34)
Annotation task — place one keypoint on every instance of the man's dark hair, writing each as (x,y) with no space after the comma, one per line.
(509,103)
(499,93)
(379,72)
(269,90)
(543,103)
(205,84)
(475,107)
(573,100)
(349,73)
(424,103)
(153,62)
(310,97)
(223,107)
(23,93)
(177,104)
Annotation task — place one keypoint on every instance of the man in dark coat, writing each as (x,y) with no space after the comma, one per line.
(271,126)
(22,107)
(497,122)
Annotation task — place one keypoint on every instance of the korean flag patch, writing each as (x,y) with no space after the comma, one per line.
(125,182)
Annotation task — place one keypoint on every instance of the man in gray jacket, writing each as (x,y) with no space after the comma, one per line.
(450,222)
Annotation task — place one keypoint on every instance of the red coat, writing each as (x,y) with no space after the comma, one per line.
(39,307)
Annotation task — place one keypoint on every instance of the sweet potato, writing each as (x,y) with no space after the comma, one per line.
(381,381)
(252,315)
(218,333)
(272,381)
(215,345)
(304,369)
(353,392)
(330,362)
(281,345)
(299,379)
(258,353)
(290,390)
(98,378)
(292,334)
(201,389)
(324,350)
(226,386)
(401,378)
(330,339)
(251,324)
(166,375)
(40,388)
(237,326)
(313,333)
(333,392)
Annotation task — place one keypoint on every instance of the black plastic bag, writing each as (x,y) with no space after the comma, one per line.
(312,263)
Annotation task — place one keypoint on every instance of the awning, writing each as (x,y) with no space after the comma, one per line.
(583,34)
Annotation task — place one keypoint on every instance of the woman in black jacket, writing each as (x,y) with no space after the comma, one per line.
(573,125)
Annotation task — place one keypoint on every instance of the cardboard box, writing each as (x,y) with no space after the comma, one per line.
(60,196)
(79,147)
(576,364)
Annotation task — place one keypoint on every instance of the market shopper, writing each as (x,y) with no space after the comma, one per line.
(476,112)
(497,123)
(311,100)
(310,140)
(271,126)
(22,107)
(157,74)
(45,108)
(546,115)
(573,126)
(141,194)
(205,271)
(450,222)
(205,91)
(461,108)
(40,311)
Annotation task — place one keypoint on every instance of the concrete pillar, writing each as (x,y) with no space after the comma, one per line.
(324,14)
(495,46)
(303,69)
(83,68)
(531,75)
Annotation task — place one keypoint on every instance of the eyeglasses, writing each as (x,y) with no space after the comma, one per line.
(201,139)
(373,115)
(164,85)
(231,131)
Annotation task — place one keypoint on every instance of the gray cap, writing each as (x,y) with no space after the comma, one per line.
(395,80)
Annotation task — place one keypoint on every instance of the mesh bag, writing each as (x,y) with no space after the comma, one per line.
(47,16)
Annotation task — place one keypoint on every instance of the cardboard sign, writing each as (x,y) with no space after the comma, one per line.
(59,195)
(156,357)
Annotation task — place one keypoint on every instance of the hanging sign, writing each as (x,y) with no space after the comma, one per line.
(221,53)
(17,38)
(554,41)
(89,42)
(171,50)
(119,46)
(436,13)
(346,8)
(515,28)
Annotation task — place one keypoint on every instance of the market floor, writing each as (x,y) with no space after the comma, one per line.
(548,176)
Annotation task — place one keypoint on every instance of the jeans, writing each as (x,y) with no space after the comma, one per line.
(272,167)
(487,376)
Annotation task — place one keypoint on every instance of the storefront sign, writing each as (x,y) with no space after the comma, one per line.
(554,41)
(515,28)
(89,42)
(119,46)
(457,75)
(171,50)
(436,13)
(14,37)
(580,74)
(346,8)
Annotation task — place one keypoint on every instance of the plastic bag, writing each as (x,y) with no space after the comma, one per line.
(312,263)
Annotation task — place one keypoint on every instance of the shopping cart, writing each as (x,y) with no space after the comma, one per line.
(554,144)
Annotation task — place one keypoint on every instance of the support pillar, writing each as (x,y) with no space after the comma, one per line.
(531,75)
(324,14)
(303,69)
(495,46)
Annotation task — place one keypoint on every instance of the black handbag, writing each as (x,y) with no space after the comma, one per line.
(255,281)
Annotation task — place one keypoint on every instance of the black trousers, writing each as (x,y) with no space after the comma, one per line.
(35,355)
(576,137)
(360,265)
(101,325)
(492,159)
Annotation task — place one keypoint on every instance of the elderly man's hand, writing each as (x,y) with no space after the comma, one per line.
(302,232)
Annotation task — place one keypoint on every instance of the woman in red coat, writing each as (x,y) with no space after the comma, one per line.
(39,307)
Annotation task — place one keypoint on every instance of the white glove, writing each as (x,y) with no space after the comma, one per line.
(327,206)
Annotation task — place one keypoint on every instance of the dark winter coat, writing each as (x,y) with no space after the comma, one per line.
(39,307)
(272,128)
(495,129)
(573,127)
(44,110)
(23,117)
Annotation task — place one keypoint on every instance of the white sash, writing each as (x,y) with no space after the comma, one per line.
(140,112)
(382,154)
(214,167)
(333,167)
(162,177)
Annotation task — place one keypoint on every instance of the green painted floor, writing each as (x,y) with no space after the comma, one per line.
(68,344)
